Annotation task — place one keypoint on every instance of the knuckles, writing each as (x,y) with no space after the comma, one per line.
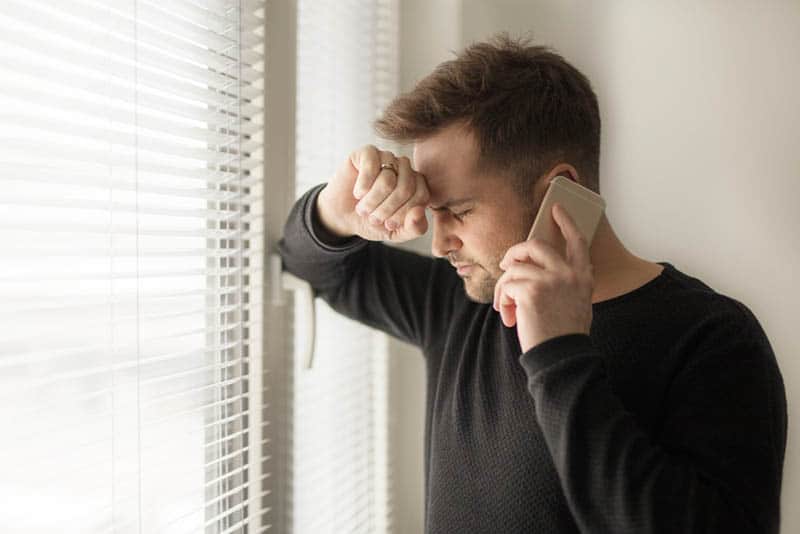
(369,156)
(425,197)
(406,183)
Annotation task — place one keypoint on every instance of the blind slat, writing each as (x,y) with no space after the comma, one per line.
(83,353)
(78,204)
(121,229)
(71,154)
(87,179)
(63,422)
(11,343)
(118,106)
(134,274)
(34,252)
(80,132)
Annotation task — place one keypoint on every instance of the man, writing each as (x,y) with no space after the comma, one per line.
(592,392)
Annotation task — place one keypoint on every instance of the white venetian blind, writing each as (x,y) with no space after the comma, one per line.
(130,266)
(346,74)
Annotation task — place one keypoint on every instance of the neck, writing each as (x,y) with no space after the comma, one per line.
(616,270)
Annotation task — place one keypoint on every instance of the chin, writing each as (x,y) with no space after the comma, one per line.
(480,291)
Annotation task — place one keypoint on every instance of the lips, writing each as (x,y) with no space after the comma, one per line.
(463,268)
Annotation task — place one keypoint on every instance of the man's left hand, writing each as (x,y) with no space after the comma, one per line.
(543,293)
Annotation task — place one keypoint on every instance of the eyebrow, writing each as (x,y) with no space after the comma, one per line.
(452,202)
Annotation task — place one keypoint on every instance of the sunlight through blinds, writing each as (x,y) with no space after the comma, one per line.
(131,265)
(346,73)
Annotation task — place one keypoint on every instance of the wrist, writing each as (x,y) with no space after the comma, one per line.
(330,222)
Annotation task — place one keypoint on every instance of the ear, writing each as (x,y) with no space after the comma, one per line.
(566,170)
(561,169)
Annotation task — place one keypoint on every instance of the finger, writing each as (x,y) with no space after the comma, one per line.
(367,161)
(404,190)
(421,198)
(382,187)
(518,272)
(414,224)
(534,250)
(498,292)
(509,315)
(506,306)
(503,303)
(498,287)
(577,245)
(525,271)
(513,294)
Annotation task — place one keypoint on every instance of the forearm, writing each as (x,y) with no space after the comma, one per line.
(330,223)
(310,252)
(381,286)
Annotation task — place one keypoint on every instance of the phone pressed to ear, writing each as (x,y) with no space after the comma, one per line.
(584,206)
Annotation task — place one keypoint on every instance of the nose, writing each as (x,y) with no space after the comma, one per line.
(444,240)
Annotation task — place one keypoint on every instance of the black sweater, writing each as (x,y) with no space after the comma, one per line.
(669,417)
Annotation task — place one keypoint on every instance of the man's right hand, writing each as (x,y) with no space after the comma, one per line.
(363,199)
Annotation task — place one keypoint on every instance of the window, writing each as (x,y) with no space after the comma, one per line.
(131,268)
(346,74)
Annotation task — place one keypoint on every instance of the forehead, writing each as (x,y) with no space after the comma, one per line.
(448,160)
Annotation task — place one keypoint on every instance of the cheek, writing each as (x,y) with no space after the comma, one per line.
(494,243)
(493,249)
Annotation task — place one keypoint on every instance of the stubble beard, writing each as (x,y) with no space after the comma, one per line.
(480,288)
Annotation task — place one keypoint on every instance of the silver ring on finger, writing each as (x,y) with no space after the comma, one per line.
(391,166)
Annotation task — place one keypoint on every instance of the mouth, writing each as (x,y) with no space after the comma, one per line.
(464,269)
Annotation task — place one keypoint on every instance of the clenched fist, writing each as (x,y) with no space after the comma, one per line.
(375,203)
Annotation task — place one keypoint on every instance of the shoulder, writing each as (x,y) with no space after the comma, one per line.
(700,300)
(712,322)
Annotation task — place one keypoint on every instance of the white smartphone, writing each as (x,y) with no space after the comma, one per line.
(584,205)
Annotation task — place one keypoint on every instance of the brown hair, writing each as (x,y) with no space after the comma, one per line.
(528,108)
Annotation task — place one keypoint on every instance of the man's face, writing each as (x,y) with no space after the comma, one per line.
(476,218)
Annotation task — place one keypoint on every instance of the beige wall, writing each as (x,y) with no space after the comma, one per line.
(700,164)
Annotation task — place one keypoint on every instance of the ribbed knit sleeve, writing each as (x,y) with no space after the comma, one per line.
(714,463)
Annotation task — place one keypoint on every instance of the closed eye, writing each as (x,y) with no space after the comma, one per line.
(460,215)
